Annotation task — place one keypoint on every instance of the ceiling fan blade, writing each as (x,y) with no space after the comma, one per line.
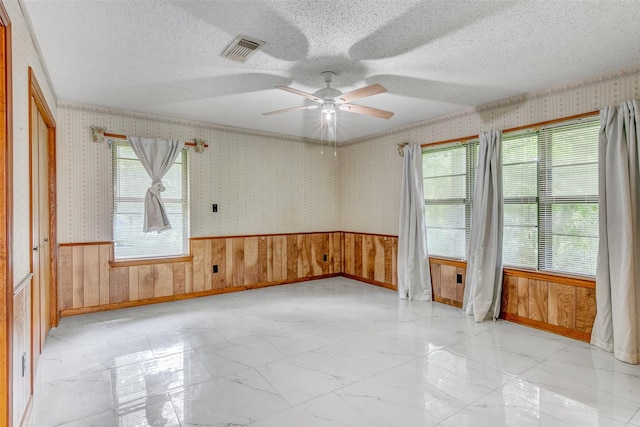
(361,93)
(304,107)
(369,111)
(301,93)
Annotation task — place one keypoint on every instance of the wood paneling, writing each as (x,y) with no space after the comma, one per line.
(585,309)
(509,303)
(78,277)
(145,281)
(435,279)
(21,348)
(89,279)
(179,279)
(236,262)
(91,274)
(444,281)
(218,257)
(262,257)
(349,254)
(448,282)
(105,256)
(118,285)
(197,250)
(357,251)
(65,269)
(538,300)
(292,257)
(522,290)
(565,306)
(371,258)
(462,272)
(562,305)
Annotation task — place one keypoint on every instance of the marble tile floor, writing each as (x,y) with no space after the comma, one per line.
(332,352)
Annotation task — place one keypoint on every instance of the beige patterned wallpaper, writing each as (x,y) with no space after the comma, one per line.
(261,183)
(268,184)
(24,56)
(371,169)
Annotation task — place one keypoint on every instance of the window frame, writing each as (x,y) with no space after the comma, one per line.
(471,153)
(547,199)
(183,159)
(544,200)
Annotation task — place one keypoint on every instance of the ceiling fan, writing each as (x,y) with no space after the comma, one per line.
(330,100)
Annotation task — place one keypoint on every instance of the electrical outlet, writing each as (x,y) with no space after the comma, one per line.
(458,278)
(324,258)
(215,268)
(214,207)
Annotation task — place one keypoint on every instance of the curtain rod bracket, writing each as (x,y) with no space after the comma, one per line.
(401,148)
(97,133)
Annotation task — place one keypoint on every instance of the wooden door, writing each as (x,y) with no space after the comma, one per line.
(40,230)
(44,249)
(6,231)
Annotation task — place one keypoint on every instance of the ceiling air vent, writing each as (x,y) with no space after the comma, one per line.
(242,48)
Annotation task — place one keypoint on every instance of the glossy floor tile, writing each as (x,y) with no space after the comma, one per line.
(326,353)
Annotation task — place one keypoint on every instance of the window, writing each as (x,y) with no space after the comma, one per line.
(520,192)
(550,182)
(449,173)
(550,185)
(130,184)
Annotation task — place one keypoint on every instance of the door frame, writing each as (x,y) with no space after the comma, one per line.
(36,93)
(6,218)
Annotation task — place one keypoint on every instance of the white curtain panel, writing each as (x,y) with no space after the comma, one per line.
(617,324)
(157,156)
(483,289)
(414,276)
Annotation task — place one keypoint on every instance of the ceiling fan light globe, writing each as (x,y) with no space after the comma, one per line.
(329,107)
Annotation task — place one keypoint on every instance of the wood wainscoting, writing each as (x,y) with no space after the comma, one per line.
(548,301)
(371,258)
(90,280)
(447,280)
(564,305)
(247,262)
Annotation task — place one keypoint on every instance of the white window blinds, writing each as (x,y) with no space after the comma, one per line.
(130,183)
(449,173)
(519,175)
(568,182)
(550,183)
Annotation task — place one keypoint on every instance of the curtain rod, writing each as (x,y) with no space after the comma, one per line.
(117,136)
(514,129)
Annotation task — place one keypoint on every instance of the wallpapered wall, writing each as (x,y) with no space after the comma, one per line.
(371,170)
(261,183)
(265,184)
(24,56)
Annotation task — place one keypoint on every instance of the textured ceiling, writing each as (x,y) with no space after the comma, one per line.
(434,57)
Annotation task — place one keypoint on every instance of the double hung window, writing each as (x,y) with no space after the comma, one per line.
(550,188)
(130,183)
(448,174)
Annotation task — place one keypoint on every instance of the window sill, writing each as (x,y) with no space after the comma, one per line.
(133,262)
(454,262)
(562,278)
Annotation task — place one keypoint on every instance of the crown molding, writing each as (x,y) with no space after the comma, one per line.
(183,122)
(518,99)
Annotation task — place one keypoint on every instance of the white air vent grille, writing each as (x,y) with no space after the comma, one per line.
(242,48)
